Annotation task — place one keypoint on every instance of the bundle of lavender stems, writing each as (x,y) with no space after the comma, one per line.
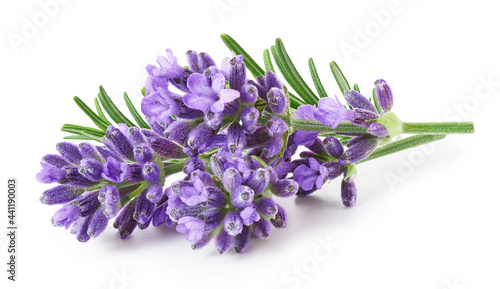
(237,140)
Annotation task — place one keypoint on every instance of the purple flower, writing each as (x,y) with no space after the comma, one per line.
(192,226)
(160,105)
(50,174)
(194,195)
(307,177)
(169,68)
(331,112)
(249,215)
(115,171)
(204,96)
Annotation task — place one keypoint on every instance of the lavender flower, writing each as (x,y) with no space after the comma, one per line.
(204,95)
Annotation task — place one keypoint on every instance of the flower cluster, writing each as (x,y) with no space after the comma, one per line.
(233,138)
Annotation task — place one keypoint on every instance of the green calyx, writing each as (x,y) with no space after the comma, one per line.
(392,123)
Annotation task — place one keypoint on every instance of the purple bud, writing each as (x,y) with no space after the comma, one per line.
(216,197)
(334,147)
(143,209)
(60,194)
(237,73)
(81,229)
(272,148)
(97,224)
(384,94)
(179,185)
(202,242)
(178,131)
(276,127)
(363,147)
(205,178)
(145,225)
(262,229)
(151,172)
(241,241)
(205,61)
(69,152)
(242,197)
(143,153)
(88,151)
(233,224)
(55,161)
(115,140)
(236,139)
(273,176)
(125,222)
(363,117)
(212,218)
(280,220)
(87,203)
(259,137)
(213,119)
(91,169)
(357,100)
(192,58)
(135,136)
(334,170)
(223,242)
(249,94)
(272,81)
(278,101)
(192,165)
(378,129)
(135,173)
(249,215)
(166,148)
(268,207)
(154,193)
(106,153)
(109,197)
(217,162)
(231,179)
(249,117)
(75,179)
(285,188)
(184,210)
(199,135)
(348,192)
(181,81)
(318,147)
(160,216)
(259,181)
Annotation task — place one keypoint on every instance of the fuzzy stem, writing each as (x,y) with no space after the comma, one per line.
(438,127)
(312,125)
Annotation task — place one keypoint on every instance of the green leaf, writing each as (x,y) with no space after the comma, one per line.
(134,112)
(297,100)
(111,108)
(316,79)
(339,77)
(76,129)
(260,105)
(252,66)
(356,88)
(80,137)
(100,112)
(143,91)
(267,61)
(375,101)
(259,160)
(297,83)
(94,117)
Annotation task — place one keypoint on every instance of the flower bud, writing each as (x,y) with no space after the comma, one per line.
(166,148)
(91,169)
(268,207)
(151,172)
(231,179)
(384,94)
(233,224)
(378,129)
(115,140)
(249,94)
(259,181)
(280,220)
(199,135)
(278,101)
(262,229)
(237,73)
(242,197)
(69,152)
(285,188)
(333,146)
(60,194)
(276,127)
(249,117)
(143,208)
(241,240)
(357,100)
(97,224)
(348,192)
(223,242)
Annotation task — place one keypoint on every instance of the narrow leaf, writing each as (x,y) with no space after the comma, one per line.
(316,79)
(339,77)
(305,92)
(356,87)
(134,112)
(285,73)
(94,117)
(111,108)
(375,101)
(254,68)
(267,61)
(100,112)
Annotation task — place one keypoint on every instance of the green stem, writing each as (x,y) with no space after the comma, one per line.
(438,127)
(312,125)
(400,145)
(172,168)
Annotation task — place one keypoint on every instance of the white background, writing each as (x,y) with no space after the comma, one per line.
(435,225)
